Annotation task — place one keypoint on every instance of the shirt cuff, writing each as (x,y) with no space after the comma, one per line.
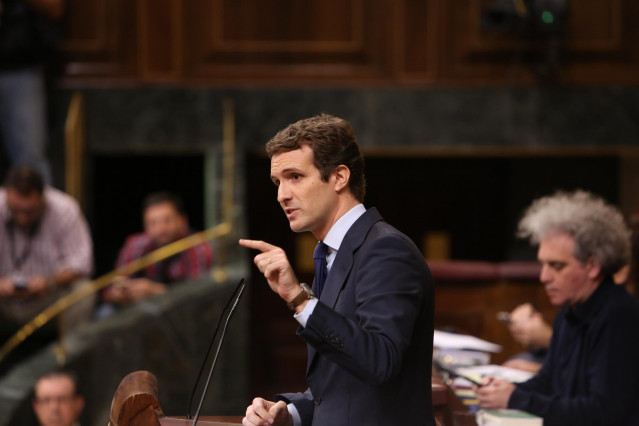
(297,420)
(302,317)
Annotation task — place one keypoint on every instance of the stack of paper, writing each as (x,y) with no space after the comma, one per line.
(442,339)
(507,417)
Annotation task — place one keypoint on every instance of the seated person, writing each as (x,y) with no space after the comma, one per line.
(45,247)
(56,399)
(165,222)
(590,375)
(529,328)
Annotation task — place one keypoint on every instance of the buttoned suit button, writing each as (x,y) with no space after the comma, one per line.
(317,400)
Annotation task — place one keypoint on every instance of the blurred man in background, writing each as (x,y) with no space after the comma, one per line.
(165,222)
(57,401)
(590,375)
(45,251)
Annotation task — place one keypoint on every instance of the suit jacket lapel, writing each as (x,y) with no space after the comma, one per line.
(343,263)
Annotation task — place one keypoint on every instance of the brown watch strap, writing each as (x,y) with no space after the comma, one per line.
(304,294)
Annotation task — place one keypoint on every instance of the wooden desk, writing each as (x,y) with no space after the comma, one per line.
(440,396)
(446,402)
(455,405)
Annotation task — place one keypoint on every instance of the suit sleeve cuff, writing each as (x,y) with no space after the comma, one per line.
(297,420)
(302,317)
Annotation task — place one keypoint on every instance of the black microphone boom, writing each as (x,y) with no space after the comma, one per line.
(234,299)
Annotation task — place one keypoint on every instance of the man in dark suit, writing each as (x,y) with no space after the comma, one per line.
(369,326)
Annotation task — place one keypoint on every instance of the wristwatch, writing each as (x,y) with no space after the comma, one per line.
(305,294)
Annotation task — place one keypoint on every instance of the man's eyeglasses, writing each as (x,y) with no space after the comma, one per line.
(63,399)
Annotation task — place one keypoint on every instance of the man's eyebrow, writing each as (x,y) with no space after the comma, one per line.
(291,170)
(287,171)
(554,263)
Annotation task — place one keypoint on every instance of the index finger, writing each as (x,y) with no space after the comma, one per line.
(262,246)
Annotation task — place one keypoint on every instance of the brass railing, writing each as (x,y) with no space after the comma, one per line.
(74,137)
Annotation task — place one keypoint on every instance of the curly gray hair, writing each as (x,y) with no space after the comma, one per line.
(598,228)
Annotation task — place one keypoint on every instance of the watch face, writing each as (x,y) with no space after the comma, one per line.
(307,289)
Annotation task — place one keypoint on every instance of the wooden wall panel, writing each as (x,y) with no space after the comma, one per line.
(287,40)
(99,40)
(160,47)
(598,40)
(417,40)
(605,48)
(345,42)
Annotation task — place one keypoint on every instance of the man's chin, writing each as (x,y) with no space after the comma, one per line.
(556,301)
(296,227)
(55,421)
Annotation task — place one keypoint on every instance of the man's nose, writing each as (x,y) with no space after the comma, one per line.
(545,275)
(283,193)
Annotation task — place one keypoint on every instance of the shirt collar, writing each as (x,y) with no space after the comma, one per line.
(336,234)
(587,310)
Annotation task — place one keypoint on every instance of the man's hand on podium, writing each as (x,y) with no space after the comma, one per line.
(267,413)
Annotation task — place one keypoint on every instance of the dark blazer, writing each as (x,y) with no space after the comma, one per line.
(370,337)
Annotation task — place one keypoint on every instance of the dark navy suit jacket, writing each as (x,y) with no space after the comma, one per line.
(370,337)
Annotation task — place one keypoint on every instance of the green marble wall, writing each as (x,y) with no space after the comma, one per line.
(167,335)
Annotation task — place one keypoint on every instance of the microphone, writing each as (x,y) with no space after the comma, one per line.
(234,299)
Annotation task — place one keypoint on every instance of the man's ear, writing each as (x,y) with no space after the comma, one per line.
(594,268)
(342,175)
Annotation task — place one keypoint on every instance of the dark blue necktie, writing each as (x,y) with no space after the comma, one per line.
(321,270)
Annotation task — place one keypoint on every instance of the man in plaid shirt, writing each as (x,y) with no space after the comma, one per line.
(165,221)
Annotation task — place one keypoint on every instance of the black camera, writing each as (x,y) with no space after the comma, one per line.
(528,17)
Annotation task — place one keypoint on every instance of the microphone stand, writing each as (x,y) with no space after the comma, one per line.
(235,299)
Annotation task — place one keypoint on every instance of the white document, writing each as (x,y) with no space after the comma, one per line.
(442,339)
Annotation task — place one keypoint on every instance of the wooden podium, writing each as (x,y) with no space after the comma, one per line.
(135,403)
